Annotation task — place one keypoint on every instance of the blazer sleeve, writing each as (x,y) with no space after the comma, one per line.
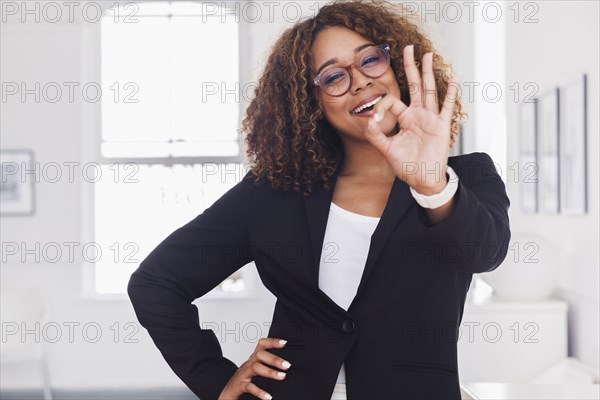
(189,263)
(477,233)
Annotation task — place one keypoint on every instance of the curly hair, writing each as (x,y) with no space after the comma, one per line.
(288,141)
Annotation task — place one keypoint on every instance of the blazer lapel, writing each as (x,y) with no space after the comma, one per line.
(317,212)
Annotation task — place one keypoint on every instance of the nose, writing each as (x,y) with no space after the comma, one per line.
(358,79)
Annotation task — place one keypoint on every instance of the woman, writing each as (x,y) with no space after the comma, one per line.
(357,219)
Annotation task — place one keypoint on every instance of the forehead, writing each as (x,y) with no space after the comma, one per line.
(335,42)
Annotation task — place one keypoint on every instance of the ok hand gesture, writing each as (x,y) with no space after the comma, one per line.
(418,153)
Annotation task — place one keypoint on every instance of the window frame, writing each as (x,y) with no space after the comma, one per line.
(90,150)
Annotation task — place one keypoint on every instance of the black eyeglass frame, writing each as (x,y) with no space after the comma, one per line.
(386,50)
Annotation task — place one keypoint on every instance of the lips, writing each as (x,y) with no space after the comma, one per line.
(366,101)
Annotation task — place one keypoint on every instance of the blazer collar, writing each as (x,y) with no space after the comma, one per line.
(317,212)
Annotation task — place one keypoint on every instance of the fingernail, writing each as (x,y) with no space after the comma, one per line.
(286,364)
(282,341)
(281,374)
(268,396)
(377,117)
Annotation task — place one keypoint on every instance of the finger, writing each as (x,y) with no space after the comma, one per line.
(263,370)
(389,103)
(258,392)
(450,100)
(272,359)
(429,87)
(267,343)
(413,77)
(376,137)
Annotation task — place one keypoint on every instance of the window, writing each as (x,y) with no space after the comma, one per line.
(167,146)
(173,78)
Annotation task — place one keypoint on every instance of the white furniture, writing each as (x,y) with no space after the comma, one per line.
(569,371)
(511,342)
(520,391)
(22,308)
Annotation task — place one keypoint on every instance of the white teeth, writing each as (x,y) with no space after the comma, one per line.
(372,103)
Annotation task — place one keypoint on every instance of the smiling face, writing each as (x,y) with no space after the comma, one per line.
(339,43)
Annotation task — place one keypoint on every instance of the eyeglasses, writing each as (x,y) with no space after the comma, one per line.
(372,62)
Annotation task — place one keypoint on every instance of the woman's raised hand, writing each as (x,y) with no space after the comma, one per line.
(241,383)
(418,153)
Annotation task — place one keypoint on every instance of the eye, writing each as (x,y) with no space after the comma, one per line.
(369,60)
(334,76)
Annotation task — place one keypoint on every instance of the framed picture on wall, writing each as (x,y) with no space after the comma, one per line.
(547,152)
(573,138)
(16,186)
(528,166)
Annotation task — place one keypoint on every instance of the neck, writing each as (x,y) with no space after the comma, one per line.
(363,161)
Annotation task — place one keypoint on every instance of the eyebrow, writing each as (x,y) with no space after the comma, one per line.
(334,60)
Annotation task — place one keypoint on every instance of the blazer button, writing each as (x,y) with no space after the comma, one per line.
(348,326)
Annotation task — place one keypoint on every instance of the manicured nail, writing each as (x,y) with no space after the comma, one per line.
(281,374)
(377,117)
(286,364)
(268,396)
(282,341)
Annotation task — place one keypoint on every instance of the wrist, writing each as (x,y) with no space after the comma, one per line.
(436,197)
(431,190)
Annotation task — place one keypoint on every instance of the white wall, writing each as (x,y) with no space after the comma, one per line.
(563,44)
(551,52)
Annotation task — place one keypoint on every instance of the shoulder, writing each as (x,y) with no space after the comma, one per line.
(252,191)
(474,167)
(474,157)
(256,199)
(251,184)
(239,196)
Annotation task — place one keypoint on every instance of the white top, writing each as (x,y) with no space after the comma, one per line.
(345,248)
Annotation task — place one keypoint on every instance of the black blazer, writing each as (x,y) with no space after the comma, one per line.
(398,338)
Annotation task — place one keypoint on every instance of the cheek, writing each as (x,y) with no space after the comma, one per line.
(337,116)
(334,107)
(394,86)
(391,82)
